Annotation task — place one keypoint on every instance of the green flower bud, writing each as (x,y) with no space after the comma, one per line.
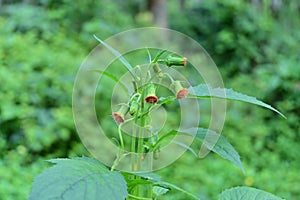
(158,70)
(134,104)
(176,61)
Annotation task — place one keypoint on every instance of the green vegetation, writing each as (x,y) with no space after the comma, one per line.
(255,47)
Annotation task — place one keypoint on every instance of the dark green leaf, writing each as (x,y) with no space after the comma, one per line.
(78,178)
(206,91)
(216,143)
(247,193)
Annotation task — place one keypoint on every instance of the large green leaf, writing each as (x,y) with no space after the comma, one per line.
(78,178)
(206,91)
(247,193)
(216,143)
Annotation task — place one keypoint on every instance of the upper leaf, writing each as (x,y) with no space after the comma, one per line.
(205,90)
(216,143)
(78,178)
(247,193)
(118,55)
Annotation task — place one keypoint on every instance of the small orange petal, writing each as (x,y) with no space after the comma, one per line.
(181,94)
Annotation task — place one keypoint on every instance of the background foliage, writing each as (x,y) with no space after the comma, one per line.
(256,47)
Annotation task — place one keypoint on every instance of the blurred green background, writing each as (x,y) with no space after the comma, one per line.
(254,43)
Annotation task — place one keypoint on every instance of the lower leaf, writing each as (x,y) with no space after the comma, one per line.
(78,178)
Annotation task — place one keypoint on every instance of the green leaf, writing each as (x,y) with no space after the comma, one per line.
(166,100)
(156,180)
(116,79)
(149,176)
(222,147)
(158,56)
(164,184)
(247,193)
(78,178)
(118,55)
(186,147)
(147,179)
(206,91)
(159,191)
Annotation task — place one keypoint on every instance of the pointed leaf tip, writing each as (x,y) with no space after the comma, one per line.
(205,91)
(216,143)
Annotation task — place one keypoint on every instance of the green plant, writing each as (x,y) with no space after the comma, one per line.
(87,178)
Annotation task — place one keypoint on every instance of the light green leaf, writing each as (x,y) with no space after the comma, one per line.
(78,178)
(118,55)
(116,79)
(247,193)
(158,191)
(158,56)
(166,100)
(206,91)
(167,184)
(216,143)
(186,147)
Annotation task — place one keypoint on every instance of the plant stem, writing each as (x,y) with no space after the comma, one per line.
(140,134)
(139,198)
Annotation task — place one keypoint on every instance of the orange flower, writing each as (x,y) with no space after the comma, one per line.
(119,115)
(150,94)
(180,91)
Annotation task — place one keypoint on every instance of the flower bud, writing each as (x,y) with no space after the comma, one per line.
(180,91)
(119,115)
(158,70)
(176,61)
(134,104)
(150,94)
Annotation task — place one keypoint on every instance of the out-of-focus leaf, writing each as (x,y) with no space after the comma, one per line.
(247,193)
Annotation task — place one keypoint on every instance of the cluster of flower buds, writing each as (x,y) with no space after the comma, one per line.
(133,106)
